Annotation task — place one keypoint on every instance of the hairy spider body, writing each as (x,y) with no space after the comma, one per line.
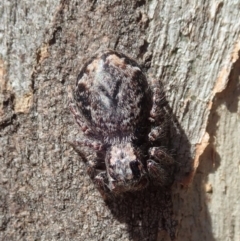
(120,116)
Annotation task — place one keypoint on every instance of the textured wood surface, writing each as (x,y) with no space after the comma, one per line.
(193,48)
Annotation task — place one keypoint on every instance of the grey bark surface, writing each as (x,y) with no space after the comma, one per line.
(193,48)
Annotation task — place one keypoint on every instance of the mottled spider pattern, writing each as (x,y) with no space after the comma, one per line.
(119,113)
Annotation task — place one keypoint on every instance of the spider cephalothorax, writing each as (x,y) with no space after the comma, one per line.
(120,116)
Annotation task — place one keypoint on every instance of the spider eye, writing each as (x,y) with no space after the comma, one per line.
(134,165)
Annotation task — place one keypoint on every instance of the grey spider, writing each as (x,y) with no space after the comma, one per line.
(121,118)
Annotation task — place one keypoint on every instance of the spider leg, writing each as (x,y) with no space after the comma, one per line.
(160,166)
(157,98)
(155,133)
(101,181)
(157,116)
(95,145)
(95,166)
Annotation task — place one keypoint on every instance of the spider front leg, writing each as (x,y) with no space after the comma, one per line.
(95,164)
(156,114)
(101,181)
(157,99)
(160,166)
(155,133)
(95,145)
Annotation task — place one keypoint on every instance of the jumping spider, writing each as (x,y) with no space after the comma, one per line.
(121,118)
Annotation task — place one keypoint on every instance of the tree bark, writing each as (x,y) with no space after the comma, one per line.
(193,48)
